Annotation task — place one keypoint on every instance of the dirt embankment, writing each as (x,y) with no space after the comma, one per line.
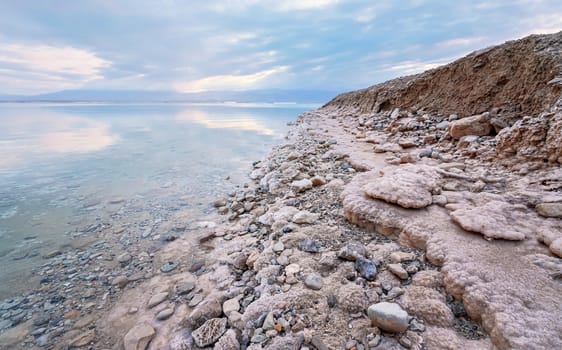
(517,78)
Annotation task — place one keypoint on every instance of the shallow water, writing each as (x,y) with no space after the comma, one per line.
(65,169)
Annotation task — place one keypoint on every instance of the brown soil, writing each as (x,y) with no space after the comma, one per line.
(512,78)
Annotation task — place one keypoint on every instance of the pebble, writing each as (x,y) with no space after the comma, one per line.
(120,281)
(366,268)
(168,267)
(165,314)
(309,246)
(83,339)
(278,247)
(305,217)
(197,298)
(352,250)
(230,306)
(388,316)
(157,299)
(301,185)
(313,281)
(124,258)
(398,270)
(42,340)
(184,288)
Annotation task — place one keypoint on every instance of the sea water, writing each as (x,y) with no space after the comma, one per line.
(67,168)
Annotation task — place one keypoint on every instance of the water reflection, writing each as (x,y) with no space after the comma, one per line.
(237,121)
(38,133)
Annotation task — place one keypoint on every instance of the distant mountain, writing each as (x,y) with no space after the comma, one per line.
(267,96)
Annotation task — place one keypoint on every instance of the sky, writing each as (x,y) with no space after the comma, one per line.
(192,46)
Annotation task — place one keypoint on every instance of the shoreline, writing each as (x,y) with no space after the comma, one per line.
(287,269)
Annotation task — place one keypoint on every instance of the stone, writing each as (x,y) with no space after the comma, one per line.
(309,246)
(230,306)
(549,210)
(398,270)
(42,340)
(301,185)
(389,317)
(292,269)
(168,267)
(84,338)
(209,332)
(407,143)
(278,247)
(318,181)
(157,299)
(139,337)
(313,281)
(184,288)
(478,125)
(398,257)
(165,314)
(252,258)
(208,309)
(120,281)
(352,250)
(366,268)
(228,341)
(305,217)
(124,258)
(221,202)
(410,186)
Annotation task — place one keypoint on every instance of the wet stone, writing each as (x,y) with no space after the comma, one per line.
(168,267)
(184,288)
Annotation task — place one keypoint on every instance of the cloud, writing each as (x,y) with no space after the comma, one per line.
(43,68)
(229,82)
(274,5)
(467,41)
(413,67)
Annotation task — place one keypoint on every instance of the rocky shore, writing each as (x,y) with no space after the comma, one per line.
(380,223)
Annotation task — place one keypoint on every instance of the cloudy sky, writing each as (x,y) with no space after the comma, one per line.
(196,45)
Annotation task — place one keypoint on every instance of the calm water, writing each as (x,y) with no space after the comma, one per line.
(65,167)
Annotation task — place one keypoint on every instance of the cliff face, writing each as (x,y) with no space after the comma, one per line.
(517,78)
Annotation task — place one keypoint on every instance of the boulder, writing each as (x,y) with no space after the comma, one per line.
(478,125)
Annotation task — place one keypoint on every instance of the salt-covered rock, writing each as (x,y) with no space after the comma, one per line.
(209,332)
(493,219)
(388,316)
(410,186)
(227,341)
(301,185)
(305,217)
